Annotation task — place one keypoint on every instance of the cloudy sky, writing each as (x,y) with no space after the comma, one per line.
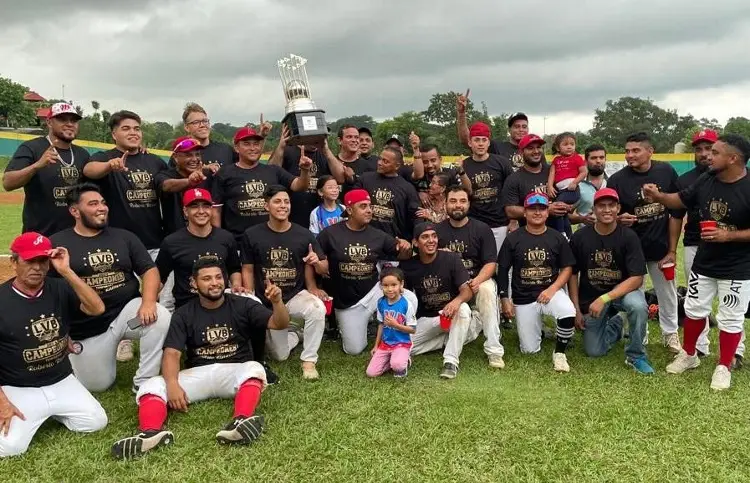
(554,59)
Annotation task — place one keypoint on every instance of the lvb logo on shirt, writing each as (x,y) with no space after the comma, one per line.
(218,334)
(431,283)
(104,278)
(53,348)
(144,196)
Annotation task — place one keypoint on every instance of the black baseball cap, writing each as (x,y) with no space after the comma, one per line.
(423,227)
(516,116)
(365,129)
(394,139)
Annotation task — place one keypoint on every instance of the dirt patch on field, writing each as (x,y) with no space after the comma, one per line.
(14,198)
(6,271)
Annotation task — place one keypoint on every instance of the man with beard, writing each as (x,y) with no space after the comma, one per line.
(197,241)
(721,268)
(111,260)
(213,331)
(657,228)
(441,284)
(474,242)
(541,260)
(349,154)
(287,254)
(352,249)
(324,163)
(607,279)
(46,167)
(239,187)
(488,174)
(395,200)
(596,161)
(198,126)
(427,158)
(366,147)
(529,178)
(36,380)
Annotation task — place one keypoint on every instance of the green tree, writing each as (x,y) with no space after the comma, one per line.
(442,108)
(738,125)
(14,111)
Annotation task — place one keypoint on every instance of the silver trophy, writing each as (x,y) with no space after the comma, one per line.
(306,123)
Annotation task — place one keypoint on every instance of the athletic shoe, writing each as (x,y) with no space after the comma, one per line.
(496,361)
(722,378)
(560,362)
(241,430)
(400,375)
(682,362)
(548,333)
(125,351)
(309,372)
(641,365)
(506,323)
(700,353)
(737,362)
(141,443)
(271,377)
(449,371)
(672,342)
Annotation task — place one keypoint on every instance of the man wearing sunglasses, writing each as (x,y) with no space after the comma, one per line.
(198,126)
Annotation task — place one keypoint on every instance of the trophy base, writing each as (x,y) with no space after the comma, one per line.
(306,127)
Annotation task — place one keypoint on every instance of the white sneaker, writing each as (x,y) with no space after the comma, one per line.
(721,379)
(560,362)
(682,362)
(125,351)
(496,361)
(672,342)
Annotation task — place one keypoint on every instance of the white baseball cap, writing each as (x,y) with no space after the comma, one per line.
(63,108)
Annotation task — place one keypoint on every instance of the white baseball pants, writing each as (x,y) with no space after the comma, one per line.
(733,296)
(312,311)
(166,297)
(529,319)
(666,293)
(486,306)
(430,337)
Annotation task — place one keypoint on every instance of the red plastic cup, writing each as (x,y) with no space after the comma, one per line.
(329,305)
(708,224)
(668,271)
(445,321)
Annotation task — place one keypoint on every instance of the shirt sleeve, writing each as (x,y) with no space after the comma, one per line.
(164,262)
(177,334)
(217,191)
(488,250)
(379,311)
(316,246)
(413,204)
(22,158)
(675,188)
(460,274)
(247,250)
(510,192)
(635,260)
(71,301)
(257,314)
(233,263)
(160,178)
(411,314)
(689,194)
(314,223)
(284,177)
(567,259)
(139,256)
(389,244)
(324,240)
(574,244)
(504,262)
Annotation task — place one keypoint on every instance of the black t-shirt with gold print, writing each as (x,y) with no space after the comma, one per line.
(44,207)
(305,201)
(110,263)
(487,180)
(436,283)
(132,195)
(34,334)
(222,335)
(604,261)
(473,242)
(536,261)
(352,258)
(395,202)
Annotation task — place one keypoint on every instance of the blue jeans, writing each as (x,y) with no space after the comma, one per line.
(602,333)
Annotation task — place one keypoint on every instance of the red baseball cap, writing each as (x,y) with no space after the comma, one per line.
(245,133)
(705,135)
(479,129)
(530,139)
(535,199)
(196,194)
(606,193)
(185,144)
(31,245)
(356,196)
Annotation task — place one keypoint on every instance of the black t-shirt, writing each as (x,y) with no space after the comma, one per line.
(652,226)
(423,185)
(44,207)
(240,191)
(604,261)
(278,256)
(221,153)
(487,180)
(520,184)
(729,205)
(132,195)
(536,261)
(34,334)
(509,151)
(473,242)
(435,284)
(222,335)
(181,250)
(352,257)
(110,263)
(692,236)
(394,203)
(171,203)
(304,202)
(360,166)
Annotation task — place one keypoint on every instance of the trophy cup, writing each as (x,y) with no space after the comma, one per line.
(306,123)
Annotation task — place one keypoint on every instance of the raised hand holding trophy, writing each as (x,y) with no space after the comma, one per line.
(306,123)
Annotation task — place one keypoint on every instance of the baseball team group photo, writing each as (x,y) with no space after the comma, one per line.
(309,298)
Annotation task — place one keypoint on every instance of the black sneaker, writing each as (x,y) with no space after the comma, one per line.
(700,354)
(241,431)
(141,443)
(737,362)
(449,371)
(506,323)
(712,322)
(271,377)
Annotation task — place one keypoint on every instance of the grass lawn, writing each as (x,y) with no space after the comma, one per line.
(10,221)
(601,422)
